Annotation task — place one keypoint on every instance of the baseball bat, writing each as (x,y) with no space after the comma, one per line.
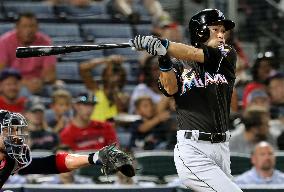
(38,51)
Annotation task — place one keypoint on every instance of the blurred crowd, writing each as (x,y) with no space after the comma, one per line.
(140,119)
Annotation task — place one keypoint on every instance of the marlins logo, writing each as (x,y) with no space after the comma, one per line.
(191,79)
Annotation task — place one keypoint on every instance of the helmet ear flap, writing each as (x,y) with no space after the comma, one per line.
(200,33)
(203,33)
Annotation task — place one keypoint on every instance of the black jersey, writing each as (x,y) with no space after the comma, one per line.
(204,91)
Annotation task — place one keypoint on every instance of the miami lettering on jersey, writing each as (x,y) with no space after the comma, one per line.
(224,50)
(191,79)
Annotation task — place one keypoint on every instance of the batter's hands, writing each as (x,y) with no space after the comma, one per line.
(152,45)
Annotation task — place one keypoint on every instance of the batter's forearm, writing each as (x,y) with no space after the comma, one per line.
(185,52)
(169,82)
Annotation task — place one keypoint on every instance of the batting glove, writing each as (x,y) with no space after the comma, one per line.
(152,45)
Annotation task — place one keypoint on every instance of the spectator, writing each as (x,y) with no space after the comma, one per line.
(275,87)
(40,136)
(151,131)
(35,70)
(10,89)
(60,110)
(164,27)
(82,133)
(276,91)
(263,170)
(125,7)
(258,97)
(149,87)
(261,71)
(68,177)
(112,99)
(255,120)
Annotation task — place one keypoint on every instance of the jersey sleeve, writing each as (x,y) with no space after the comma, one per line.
(223,56)
(52,164)
(41,165)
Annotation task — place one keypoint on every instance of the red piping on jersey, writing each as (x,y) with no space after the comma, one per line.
(60,162)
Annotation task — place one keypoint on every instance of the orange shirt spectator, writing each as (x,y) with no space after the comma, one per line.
(26,34)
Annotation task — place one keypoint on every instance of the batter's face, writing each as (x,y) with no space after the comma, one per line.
(217,36)
(263,157)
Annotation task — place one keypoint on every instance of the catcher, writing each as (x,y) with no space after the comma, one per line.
(15,155)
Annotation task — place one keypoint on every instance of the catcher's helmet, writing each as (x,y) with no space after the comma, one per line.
(14,132)
(199,32)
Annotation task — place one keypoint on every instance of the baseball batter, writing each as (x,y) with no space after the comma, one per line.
(202,87)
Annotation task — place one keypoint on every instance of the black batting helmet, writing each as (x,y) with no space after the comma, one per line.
(199,32)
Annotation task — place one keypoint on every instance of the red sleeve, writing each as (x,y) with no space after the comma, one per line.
(110,134)
(66,137)
(60,162)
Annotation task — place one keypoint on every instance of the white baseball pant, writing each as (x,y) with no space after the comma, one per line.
(204,166)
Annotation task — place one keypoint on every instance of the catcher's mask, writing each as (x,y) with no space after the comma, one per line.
(198,25)
(14,133)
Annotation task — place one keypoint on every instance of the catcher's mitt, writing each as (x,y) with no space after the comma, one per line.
(114,160)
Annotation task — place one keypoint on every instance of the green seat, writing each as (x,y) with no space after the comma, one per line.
(155,163)
(280,161)
(91,171)
(240,163)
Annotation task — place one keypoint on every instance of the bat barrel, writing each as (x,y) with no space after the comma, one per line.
(38,51)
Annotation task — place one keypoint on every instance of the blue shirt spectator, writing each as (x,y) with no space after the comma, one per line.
(263,170)
(252,177)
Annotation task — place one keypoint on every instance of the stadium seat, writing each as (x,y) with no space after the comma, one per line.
(40,9)
(91,171)
(67,71)
(81,56)
(155,163)
(280,161)
(76,88)
(4,27)
(240,163)
(96,8)
(127,52)
(111,40)
(106,31)
(144,29)
(60,30)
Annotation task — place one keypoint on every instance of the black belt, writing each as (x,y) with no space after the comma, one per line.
(212,137)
